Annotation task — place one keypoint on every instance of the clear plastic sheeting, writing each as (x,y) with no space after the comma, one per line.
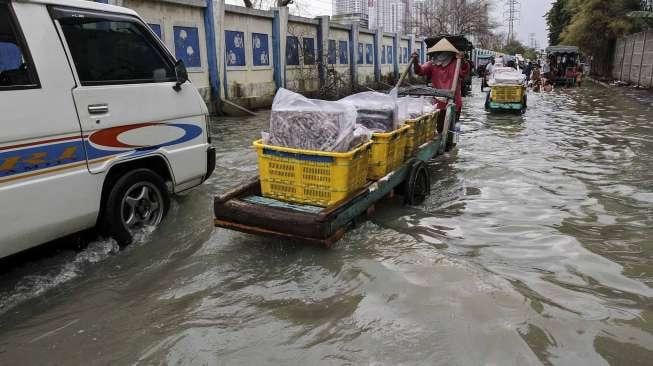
(376,111)
(310,124)
(362,135)
(414,107)
(506,76)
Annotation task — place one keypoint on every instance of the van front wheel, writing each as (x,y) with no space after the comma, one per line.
(139,199)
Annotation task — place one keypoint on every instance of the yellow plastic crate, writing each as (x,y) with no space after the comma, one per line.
(417,133)
(506,93)
(388,152)
(431,127)
(315,178)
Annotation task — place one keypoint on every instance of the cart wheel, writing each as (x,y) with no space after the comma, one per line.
(450,144)
(523,105)
(418,184)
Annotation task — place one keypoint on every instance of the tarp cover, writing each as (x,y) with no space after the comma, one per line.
(376,111)
(413,107)
(562,49)
(506,76)
(312,124)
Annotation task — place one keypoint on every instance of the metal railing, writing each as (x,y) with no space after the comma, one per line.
(646,5)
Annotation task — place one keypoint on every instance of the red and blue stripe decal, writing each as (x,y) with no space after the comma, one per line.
(44,154)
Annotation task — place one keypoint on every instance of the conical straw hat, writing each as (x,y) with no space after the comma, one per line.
(443,46)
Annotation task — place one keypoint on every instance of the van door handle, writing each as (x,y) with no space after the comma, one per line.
(98,108)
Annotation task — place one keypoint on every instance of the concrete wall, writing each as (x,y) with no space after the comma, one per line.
(224,48)
(250,85)
(633,59)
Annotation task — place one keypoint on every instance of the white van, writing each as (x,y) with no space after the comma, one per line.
(99,124)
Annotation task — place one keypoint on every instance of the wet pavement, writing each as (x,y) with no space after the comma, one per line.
(535,247)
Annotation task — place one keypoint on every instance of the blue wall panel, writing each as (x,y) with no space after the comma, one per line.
(187,46)
(156,28)
(309,51)
(331,52)
(260,49)
(292,50)
(342,52)
(369,54)
(234,48)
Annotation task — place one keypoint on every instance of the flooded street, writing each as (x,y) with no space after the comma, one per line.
(535,247)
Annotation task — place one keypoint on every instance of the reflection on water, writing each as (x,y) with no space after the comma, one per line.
(534,248)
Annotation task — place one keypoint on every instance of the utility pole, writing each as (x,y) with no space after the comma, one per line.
(511,15)
(532,40)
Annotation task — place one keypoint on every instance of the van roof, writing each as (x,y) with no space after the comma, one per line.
(82,4)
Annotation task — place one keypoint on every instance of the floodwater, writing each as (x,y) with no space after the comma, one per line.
(535,247)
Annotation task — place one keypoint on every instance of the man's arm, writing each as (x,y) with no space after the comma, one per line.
(419,70)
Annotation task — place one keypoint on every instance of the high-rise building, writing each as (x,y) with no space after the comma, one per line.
(347,11)
(418,15)
(390,15)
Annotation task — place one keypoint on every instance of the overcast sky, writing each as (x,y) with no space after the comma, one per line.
(532,15)
(532,19)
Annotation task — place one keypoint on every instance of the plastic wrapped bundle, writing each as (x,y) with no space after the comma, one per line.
(376,111)
(429,105)
(310,124)
(506,76)
(411,107)
(362,135)
(376,120)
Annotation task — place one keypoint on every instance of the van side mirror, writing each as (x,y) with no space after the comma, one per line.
(181,73)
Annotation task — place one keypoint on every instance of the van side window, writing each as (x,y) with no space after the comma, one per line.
(15,70)
(107,51)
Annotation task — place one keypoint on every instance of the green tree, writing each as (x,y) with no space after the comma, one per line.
(557,19)
(596,24)
(514,47)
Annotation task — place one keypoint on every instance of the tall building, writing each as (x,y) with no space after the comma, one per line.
(391,15)
(347,11)
(419,15)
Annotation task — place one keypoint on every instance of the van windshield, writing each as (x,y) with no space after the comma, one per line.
(115,52)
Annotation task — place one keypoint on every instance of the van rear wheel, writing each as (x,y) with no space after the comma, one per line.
(139,199)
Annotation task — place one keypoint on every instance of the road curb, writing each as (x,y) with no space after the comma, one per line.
(602,83)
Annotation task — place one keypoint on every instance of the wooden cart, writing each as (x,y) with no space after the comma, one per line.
(245,209)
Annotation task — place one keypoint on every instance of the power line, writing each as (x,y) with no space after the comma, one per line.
(512,15)
(532,40)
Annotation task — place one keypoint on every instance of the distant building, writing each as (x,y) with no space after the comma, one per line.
(348,11)
(419,12)
(390,15)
